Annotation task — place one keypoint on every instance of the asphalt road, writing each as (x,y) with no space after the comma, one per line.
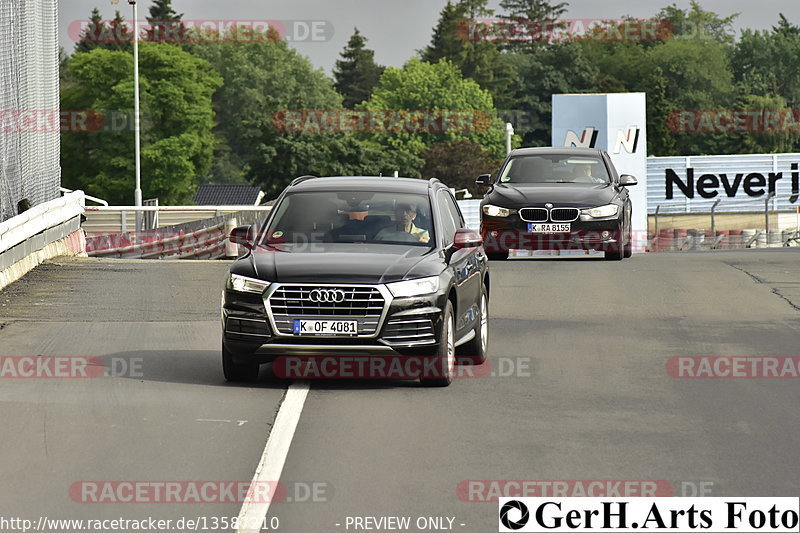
(576,388)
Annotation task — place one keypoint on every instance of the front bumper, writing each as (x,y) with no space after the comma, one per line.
(511,233)
(405,326)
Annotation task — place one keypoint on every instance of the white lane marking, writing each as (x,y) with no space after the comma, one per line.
(252,514)
(238,422)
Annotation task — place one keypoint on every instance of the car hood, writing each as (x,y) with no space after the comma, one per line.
(340,263)
(562,194)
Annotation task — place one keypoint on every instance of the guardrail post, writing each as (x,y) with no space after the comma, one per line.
(766,214)
(658,208)
(713,225)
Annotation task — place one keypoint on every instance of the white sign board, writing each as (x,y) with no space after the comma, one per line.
(616,123)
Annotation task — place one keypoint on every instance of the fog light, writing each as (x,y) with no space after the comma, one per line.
(605,234)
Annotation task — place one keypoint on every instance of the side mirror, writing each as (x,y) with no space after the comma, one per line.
(242,235)
(626,180)
(467,238)
(484,179)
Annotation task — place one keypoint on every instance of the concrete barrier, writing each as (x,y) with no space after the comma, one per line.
(43,232)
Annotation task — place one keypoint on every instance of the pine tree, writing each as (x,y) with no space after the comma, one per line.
(537,13)
(538,10)
(449,39)
(356,73)
(92,35)
(166,25)
(122,35)
(457,38)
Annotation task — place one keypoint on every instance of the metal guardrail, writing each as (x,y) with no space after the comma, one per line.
(682,240)
(712,212)
(113,219)
(206,238)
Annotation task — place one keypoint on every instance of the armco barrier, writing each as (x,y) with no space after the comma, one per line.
(200,239)
(45,231)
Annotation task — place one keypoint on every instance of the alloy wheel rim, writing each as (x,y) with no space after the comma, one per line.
(451,349)
(484,325)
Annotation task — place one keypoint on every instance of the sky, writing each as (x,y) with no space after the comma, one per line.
(395,29)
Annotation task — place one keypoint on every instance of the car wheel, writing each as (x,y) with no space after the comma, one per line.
(497,256)
(617,251)
(443,363)
(629,244)
(237,372)
(475,351)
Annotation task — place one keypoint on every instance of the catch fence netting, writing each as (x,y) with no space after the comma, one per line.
(29,104)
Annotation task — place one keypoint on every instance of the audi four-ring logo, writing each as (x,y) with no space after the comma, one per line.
(327,295)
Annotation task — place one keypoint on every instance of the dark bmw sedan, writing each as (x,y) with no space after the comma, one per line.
(557,199)
(362,266)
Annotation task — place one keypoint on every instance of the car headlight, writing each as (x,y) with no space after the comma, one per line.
(603,211)
(414,287)
(497,211)
(245,284)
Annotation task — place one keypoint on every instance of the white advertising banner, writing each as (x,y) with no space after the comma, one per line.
(616,123)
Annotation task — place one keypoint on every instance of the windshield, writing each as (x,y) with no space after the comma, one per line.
(554,169)
(350,217)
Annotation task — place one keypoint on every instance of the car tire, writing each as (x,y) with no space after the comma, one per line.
(617,251)
(628,250)
(474,352)
(443,362)
(237,372)
(497,256)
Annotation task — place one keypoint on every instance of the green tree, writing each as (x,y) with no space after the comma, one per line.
(123,38)
(458,163)
(449,35)
(696,23)
(457,108)
(262,79)
(459,38)
(539,10)
(91,36)
(763,139)
(166,25)
(356,73)
(681,74)
(177,139)
(544,71)
(532,12)
(766,61)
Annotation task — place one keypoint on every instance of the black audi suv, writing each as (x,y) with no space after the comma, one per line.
(365,266)
(557,199)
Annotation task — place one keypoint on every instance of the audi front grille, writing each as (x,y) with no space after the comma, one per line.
(364,303)
(564,214)
(533,214)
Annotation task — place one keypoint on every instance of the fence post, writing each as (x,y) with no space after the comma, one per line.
(658,208)
(766,214)
(713,225)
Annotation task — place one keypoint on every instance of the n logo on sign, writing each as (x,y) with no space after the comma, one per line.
(588,139)
(629,140)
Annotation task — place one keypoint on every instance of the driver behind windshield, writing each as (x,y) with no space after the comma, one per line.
(405,214)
